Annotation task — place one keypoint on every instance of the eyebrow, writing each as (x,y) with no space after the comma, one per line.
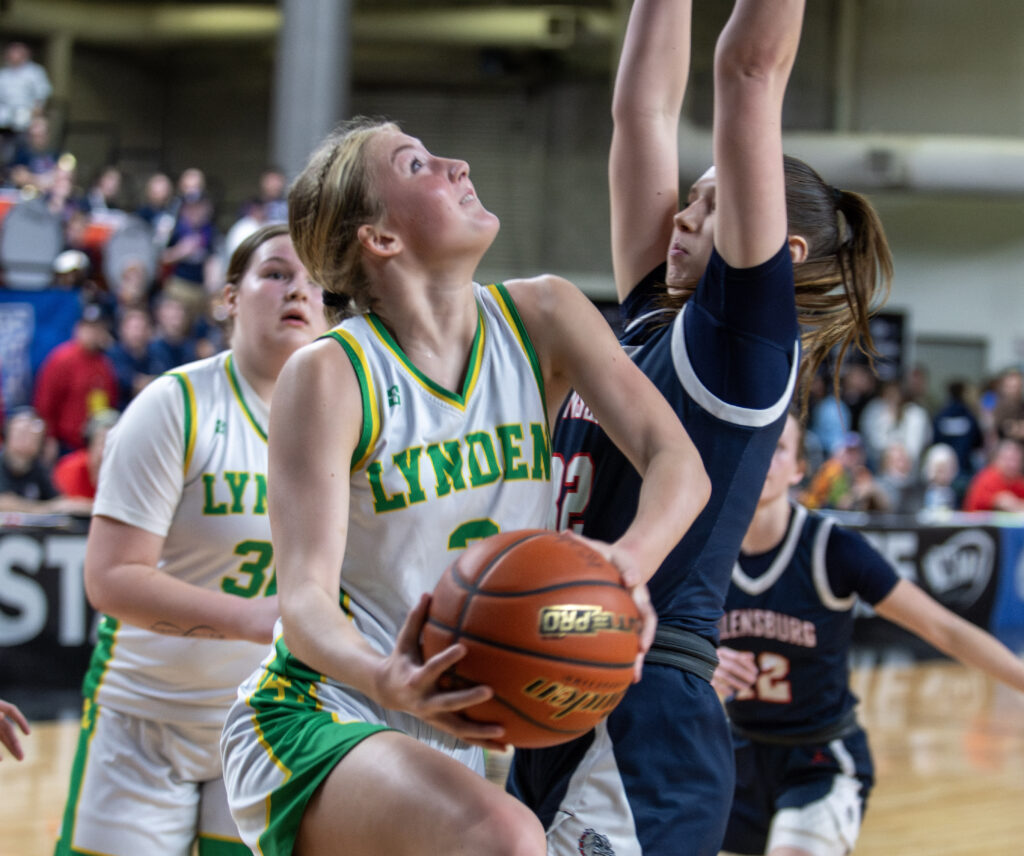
(410,145)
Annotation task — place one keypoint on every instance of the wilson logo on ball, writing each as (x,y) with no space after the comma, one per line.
(566,699)
(571,619)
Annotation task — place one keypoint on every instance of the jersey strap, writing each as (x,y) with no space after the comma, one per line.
(683,650)
(371,417)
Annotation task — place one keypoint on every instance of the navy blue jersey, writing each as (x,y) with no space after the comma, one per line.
(727,364)
(793,608)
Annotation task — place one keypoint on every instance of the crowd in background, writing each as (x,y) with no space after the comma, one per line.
(147,315)
(874,446)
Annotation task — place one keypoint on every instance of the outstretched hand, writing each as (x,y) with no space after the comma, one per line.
(405,682)
(10,717)
(736,672)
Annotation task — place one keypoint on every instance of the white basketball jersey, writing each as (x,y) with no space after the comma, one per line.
(188,461)
(436,469)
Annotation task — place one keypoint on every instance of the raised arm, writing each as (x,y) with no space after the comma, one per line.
(908,606)
(578,349)
(753,59)
(643,164)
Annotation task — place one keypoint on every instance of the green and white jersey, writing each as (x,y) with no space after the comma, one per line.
(187,461)
(435,469)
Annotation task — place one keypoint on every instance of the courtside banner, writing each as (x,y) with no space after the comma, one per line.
(46,624)
(958,563)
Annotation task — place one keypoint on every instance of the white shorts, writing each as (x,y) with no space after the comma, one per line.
(826,827)
(142,787)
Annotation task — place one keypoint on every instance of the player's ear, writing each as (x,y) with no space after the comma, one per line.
(231,298)
(378,240)
(797,249)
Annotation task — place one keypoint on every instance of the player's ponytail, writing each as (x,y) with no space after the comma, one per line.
(847,273)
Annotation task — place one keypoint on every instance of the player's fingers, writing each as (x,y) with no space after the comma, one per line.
(10,740)
(443,660)
(451,701)
(408,637)
(478,733)
(10,711)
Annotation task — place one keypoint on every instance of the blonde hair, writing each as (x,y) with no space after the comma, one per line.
(327,203)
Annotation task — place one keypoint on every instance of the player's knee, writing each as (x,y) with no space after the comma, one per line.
(511,829)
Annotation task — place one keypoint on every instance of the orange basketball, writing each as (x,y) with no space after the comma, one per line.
(549,626)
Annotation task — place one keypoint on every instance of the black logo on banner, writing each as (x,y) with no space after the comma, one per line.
(959,569)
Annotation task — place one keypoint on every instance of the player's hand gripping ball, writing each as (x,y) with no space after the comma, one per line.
(548,625)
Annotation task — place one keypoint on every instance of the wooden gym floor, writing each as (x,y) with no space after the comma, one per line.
(948,746)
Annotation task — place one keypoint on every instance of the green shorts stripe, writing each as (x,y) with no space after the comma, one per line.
(89,713)
(305,743)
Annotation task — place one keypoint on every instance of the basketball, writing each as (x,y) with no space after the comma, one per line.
(547,624)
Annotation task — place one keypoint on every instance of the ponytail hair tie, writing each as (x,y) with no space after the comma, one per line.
(335,300)
(837,195)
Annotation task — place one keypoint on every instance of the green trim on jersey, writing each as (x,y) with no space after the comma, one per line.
(371,418)
(190,415)
(508,309)
(472,369)
(229,367)
(102,655)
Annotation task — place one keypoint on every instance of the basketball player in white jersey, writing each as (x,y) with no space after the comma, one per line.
(180,562)
(417,426)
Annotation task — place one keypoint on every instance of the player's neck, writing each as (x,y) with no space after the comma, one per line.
(768,528)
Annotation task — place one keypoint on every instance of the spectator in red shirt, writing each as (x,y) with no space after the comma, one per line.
(78,472)
(76,381)
(1000,485)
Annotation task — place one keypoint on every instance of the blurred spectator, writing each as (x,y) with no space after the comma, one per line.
(940,469)
(77,473)
(918,387)
(25,483)
(174,342)
(76,380)
(830,421)
(269,205)
(34,161)
(159,208)
(131,288)
(62,198)
(892,417)
(1000,485)
(898,479)
(858,385)
(131,354)
(1008,410)
(24,90)
(190,249)
(252,218)
(70,269)
(956,425)
(104,195)
(844,482)
(22,471)
(273,196)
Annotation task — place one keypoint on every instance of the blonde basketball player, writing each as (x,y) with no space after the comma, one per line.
(418,425)
(179,561)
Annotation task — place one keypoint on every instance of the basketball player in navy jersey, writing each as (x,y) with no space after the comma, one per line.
(715,326)
(803,767)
